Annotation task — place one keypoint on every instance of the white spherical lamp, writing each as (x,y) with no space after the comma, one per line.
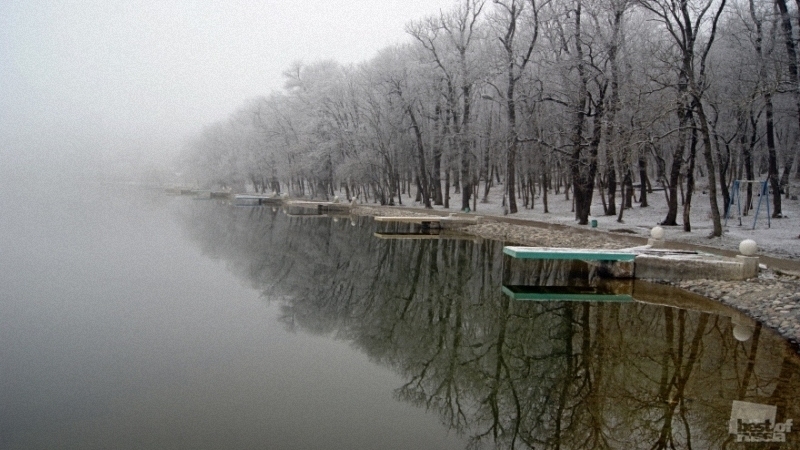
(657,233)
(748,247)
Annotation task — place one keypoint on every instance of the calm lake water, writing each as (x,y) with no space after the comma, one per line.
(132,319)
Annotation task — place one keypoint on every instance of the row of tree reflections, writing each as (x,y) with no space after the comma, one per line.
(530,97)
(505,373)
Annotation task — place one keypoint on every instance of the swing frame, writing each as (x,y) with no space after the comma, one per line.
(763,191)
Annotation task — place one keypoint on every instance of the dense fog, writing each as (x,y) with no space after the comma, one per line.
(119,87)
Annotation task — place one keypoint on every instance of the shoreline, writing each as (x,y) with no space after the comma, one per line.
(772,298)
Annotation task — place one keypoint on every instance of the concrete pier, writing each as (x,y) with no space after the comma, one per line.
(678,266)
(650,263)
(451,221)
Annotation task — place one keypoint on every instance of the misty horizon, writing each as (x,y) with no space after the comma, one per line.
(92,85)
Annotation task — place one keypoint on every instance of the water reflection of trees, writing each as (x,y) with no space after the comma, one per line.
(507,373)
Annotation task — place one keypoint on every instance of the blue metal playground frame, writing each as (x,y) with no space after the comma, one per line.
(736,197)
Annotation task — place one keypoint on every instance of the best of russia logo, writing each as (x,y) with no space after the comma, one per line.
(755,422)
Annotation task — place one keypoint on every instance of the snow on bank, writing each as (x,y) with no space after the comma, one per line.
(775,237)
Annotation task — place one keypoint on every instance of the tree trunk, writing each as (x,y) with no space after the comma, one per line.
(724,165)
(466,149)
(422,176)
(748,163)
(687,205)
(613,108)
(544,191)
(712,178)
(578,163)
(511,157)
(774,182)
(644,180)
(628,180)
(675,171)
(622,197)
(791,56)
(612,190)
(436,176)
(447,188)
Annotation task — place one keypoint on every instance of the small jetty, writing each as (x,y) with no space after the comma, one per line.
(451,221)
(321,207)
(679,266)
(203,193)
(199,194)
(609,263)
(569,253)
(256,200)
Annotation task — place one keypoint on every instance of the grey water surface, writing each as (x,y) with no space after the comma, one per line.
(133,319)
(117,332)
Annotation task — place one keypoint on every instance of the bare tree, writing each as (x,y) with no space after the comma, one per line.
(516,60)
(684,21)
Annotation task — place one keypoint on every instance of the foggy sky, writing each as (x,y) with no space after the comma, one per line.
(85,79)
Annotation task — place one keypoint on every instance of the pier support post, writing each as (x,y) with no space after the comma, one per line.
(749,266)
(656,239)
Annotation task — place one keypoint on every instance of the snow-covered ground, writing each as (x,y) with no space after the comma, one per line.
(775,237)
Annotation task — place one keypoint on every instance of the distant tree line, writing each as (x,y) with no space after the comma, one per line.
(535,97)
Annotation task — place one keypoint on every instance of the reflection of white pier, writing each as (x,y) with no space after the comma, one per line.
(612,293)
(640,292)
(418,236)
